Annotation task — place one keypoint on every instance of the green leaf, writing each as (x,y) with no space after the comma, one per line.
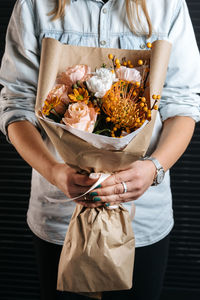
(102,131)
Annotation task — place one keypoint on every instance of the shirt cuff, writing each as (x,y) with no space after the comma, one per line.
(173,110)
(12,116)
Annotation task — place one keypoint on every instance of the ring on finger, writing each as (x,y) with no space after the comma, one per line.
(125,187)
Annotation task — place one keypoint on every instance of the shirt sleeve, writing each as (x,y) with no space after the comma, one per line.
(180,94)
(19,68)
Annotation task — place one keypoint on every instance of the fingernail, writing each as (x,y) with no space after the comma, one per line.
(98,186)
(107,204)
(93,194)
(97,199)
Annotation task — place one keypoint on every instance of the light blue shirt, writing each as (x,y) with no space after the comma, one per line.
(93,23)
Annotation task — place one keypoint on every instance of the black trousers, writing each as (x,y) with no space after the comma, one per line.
(149,270)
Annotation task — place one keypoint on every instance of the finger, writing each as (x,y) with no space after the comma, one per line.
(112,190)
(83,180)
(117,198)
(77,190)
(85,198)
(118,177)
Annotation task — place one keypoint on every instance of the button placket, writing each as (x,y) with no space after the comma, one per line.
(102,43)
(104,10)
(103,27)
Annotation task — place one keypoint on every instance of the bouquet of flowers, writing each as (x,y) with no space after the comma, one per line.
(109,101)
(98,106)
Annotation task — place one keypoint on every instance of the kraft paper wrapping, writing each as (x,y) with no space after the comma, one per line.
(55,57)
(98,252)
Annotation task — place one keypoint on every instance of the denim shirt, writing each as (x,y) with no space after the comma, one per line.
(93,23)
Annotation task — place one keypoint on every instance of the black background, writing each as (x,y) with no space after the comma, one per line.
(17,265)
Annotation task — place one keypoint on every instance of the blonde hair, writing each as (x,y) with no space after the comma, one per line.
(132,9)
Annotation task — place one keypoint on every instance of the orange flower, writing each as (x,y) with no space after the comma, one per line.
(57,99)
(50,104)
(122,106)
(80,94)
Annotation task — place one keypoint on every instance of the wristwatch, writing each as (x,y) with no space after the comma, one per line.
(160,172)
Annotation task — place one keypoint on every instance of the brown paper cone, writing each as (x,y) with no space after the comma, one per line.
(74,151)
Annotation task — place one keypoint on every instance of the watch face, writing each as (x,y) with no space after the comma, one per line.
(160,176)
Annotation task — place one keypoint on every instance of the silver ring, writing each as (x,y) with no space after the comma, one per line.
(125,187)
(85,198)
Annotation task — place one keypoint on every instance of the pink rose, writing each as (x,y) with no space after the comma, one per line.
(80,116)
(129,74)
(59,91)
(74,74)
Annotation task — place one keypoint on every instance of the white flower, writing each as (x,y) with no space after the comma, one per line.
(129,74)
(101,82)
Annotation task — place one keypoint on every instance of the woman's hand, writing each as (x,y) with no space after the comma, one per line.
(175,137)
(69,181)
(28,142)
(138,177)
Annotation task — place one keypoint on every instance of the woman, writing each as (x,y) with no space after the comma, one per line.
(115,24)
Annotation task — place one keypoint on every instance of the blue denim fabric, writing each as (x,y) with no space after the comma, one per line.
(93,23)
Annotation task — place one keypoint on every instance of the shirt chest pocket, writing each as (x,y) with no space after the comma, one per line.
(71,38)
(132,42)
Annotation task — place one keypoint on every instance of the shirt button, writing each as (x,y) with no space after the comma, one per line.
(104,10)
(103,43)
(143,46)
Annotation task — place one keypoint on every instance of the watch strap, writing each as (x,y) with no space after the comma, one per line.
(155,161)
(158,167)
